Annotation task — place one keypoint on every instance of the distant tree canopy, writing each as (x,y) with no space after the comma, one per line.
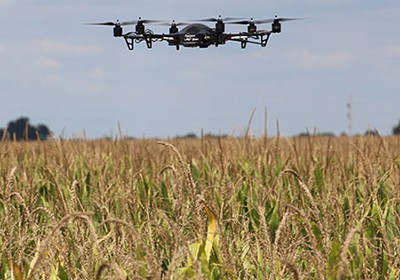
(396,129)
(20,129)
(308,134)
(371,132)
(192,135)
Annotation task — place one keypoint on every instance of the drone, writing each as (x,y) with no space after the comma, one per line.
(197,34)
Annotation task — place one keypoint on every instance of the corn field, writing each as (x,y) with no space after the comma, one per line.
(210,208)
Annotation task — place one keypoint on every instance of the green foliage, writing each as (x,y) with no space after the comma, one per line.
(396,129)
(333,260)
(21,129)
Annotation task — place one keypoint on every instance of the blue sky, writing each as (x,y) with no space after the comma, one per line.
(77,78)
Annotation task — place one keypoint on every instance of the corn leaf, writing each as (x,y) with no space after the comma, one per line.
(17,272)
(211,229)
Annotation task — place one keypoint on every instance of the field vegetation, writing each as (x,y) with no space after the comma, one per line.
(208,208)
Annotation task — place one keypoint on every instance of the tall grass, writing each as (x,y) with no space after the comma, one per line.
(270,208)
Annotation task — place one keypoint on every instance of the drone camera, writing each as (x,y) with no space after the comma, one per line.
(117,31)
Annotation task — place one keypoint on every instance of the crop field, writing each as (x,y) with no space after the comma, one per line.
(208,208)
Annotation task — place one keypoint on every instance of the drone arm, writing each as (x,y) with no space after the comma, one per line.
(172,39)
(243,38)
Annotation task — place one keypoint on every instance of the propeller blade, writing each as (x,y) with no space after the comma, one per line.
(245,22)
(231,18)
(206,19)
(109,23)
(134,22)
(288,19)
(173,23)
(240,22)
(261,21)
(181,23)
(216,19)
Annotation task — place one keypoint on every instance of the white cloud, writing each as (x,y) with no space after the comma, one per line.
(52,79)
(392,51)
(2,51)
(310,59)
(47,63)
(98,74)
(61,47)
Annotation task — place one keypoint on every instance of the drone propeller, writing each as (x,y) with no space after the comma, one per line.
(140,28)
(216,19)
(109,23)
(173,23)
(252,21)
(140,20)
(173,26)
(118,23)
(286,19)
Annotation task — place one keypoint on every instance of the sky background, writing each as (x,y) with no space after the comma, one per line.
(79,79)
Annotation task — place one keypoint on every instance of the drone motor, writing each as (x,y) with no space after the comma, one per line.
(140,29)
(173,28)
(276,26)
(252,28)
(219,26)
(118,30)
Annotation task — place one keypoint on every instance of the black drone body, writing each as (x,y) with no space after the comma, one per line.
(197,34)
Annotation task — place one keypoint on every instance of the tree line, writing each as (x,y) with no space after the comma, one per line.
(21,129)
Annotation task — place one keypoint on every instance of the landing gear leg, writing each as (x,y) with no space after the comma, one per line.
(149,42)
(129,43)
(264,41)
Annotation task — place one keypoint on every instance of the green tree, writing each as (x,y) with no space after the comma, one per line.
(20,129)
(396,129)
